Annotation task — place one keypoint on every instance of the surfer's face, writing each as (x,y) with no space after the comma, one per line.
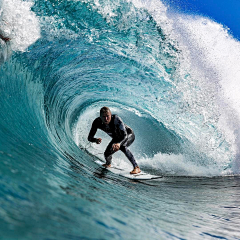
(106,117)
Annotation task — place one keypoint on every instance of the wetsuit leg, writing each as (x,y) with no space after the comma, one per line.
(124,148)
(108,153)
(127,152)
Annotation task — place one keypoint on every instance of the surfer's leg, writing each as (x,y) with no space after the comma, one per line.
(108,153)
(129,155)
(127,152)
(131,138)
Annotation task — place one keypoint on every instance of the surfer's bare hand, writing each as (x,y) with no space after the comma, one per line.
(116,147)
(99,140)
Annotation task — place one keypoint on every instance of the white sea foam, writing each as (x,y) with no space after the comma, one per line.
(210,54)
(214,56)
(19,23)
(178,165)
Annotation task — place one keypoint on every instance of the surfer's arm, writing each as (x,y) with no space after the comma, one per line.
(92,133)
(122,131)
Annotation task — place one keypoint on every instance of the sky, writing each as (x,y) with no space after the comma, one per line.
(225,12)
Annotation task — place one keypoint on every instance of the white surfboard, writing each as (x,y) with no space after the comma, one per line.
(126,173)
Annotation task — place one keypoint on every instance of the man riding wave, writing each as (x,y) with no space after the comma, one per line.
(121,134)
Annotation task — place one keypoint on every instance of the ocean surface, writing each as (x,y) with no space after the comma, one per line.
(171,76)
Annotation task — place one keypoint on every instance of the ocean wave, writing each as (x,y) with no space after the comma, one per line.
(129,55)
(171,77)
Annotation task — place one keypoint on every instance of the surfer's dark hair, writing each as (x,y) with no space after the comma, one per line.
(104,109)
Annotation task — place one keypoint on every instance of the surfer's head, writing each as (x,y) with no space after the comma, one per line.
(105,115)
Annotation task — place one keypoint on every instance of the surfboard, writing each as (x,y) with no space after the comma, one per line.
(126,173)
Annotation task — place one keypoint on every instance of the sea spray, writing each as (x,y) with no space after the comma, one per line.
(19,23)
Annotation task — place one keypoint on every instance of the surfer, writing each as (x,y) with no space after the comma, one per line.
(122,137)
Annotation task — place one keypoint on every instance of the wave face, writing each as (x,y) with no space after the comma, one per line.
(173,78)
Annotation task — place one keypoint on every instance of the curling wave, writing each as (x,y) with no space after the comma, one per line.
(137,58)
(166,76)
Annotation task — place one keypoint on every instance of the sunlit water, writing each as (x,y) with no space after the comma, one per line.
(164,74)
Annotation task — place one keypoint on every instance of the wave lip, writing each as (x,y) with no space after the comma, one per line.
(19,23)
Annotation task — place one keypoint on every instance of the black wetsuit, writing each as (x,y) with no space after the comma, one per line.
(119,132)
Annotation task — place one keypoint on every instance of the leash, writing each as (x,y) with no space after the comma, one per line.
(87,146)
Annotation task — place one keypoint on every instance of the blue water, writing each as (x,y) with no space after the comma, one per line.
(165,74)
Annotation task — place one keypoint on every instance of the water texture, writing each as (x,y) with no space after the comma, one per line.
(172,77)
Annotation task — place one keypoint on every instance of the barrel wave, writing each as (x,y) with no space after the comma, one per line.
(162,72)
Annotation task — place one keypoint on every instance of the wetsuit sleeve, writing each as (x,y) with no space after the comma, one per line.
(122,130)
(93,132)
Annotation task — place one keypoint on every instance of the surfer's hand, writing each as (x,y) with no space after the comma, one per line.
(98,140)
(116,147)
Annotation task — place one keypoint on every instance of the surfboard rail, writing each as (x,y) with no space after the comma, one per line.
(126,173)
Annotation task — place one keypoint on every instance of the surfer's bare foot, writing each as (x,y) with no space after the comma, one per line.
(106,165)
(135,170)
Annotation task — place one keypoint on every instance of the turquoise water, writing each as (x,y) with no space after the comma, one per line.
(167,78)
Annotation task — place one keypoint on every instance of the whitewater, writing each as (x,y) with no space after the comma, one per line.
(172,77)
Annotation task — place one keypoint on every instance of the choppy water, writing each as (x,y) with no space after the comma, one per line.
(173,78)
